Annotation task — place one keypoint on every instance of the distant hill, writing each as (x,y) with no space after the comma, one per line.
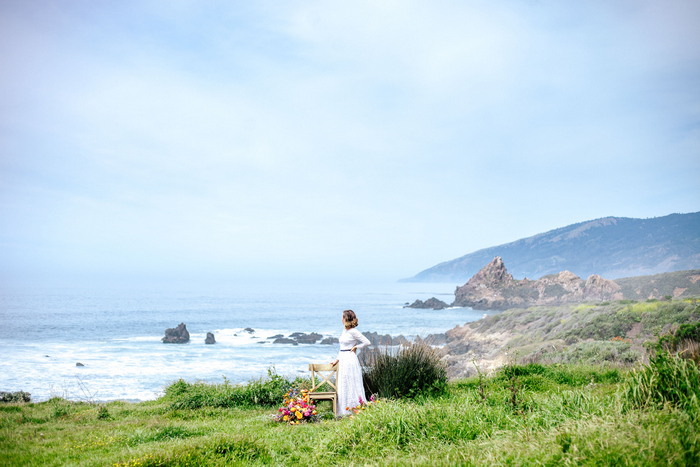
(611,247)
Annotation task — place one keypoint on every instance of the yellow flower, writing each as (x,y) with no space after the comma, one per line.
(285,418)
(299,414)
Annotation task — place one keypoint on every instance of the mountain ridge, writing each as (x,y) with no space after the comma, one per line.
(612,247)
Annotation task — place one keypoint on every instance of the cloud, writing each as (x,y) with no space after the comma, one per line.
(302,136)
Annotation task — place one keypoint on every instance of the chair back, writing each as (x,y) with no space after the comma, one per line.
(318,369)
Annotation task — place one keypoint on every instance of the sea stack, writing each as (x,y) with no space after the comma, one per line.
(178,335)
(210,339)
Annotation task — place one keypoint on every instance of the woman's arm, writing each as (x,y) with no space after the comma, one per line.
(363,341)
(336,360)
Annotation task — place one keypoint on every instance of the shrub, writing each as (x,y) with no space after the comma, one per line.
(685,340)
(103,413)
(409,371)
(19,396)
(616,352)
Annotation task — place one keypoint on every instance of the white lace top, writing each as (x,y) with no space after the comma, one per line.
(351,338)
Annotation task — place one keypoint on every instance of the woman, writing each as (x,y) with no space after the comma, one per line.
(350,387)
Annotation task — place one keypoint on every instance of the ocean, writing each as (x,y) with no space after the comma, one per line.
(116,333)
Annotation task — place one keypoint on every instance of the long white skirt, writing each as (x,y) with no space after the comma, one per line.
(350,387)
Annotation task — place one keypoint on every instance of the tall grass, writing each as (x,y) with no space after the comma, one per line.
(668,379)
(266,391)
(404,372)
(563,420)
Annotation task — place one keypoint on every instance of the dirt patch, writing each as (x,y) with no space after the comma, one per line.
(634,332)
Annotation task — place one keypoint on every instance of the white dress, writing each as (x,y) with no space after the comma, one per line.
(350,387)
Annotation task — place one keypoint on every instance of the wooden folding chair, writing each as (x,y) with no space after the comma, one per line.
(318,369)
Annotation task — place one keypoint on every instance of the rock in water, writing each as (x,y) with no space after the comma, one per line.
(285,340)
(210,339)
(178,335)
(433,303)
(308,338)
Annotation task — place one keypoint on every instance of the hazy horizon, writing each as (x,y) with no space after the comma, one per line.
(181,142)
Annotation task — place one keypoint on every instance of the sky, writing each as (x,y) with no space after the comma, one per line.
(306,140)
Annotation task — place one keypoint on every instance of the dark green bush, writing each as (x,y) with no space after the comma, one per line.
(103,413)
(407,372)
(19,396)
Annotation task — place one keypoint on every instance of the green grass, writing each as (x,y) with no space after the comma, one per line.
(560,415)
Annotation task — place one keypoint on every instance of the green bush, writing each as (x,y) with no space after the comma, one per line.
(407,372)
(14,397)
(268,391)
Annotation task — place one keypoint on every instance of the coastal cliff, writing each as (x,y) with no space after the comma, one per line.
(493,288)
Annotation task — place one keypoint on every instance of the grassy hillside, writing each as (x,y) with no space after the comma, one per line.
(670,284)
(611,247)
(590,333)
(522,415)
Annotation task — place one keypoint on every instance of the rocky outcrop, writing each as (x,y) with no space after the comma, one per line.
(432,303)
(285,340)
(329,341)
(386,339)
(310,338)
(178,335)
(210,339)
(493,288)
(597,288)
(436,339)
(484,290)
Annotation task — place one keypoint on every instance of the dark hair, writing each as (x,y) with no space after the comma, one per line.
(350,319)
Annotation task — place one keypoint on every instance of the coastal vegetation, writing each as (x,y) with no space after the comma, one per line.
(600,333)
(605,383)
(522,414)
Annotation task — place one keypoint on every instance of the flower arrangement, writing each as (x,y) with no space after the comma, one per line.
(364,405)
(297,408)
